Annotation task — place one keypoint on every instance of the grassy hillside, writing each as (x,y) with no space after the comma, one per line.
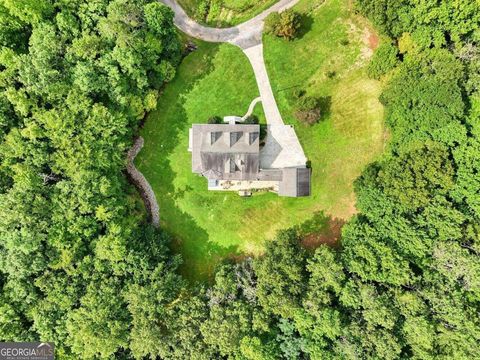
(333,42)
(218,80)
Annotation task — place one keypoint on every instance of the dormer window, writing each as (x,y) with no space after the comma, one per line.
(252,137)
(235,137)
(214,136)
(230,166)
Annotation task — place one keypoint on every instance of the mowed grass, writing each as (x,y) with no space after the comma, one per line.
(224,13)
(214,80)
(218,80)
(329,61)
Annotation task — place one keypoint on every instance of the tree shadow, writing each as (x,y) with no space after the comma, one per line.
(319,230)
(306,26)
(161,133)
(325,103)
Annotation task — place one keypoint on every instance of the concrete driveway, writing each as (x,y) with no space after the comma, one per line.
(244,35)
(282,148)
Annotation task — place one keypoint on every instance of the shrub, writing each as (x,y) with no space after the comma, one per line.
(285,24)
(330,74)
(263,133)
(215,120)
(384,60)
(298,93)
(202,11)
(150,100)
(271,23)
(252,119)
(308,110)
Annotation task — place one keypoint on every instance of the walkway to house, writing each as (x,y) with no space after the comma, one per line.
(282,148)
(251,108)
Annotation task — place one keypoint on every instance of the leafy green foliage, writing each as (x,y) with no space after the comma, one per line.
(308,109)
(75,79)
(76,267)
(285,24)
(224,13)
(215,120)
(281,275)
(384,59)
(431,22)
(424,99)
(252,119)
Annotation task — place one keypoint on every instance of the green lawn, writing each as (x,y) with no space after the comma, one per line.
(223,13)
(352,133)
(218,80)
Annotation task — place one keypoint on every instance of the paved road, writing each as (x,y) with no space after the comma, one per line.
(282,147)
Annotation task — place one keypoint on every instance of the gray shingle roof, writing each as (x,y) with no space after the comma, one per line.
(231,152)
(226,151)
(295,182)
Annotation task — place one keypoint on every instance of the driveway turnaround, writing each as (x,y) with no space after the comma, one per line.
(244,35)
(282,148)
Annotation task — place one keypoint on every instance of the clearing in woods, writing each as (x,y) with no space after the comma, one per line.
(329,61)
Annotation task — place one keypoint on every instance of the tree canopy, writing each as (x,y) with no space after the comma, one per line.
(80,266)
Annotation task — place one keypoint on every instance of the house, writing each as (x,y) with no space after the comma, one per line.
(229,157)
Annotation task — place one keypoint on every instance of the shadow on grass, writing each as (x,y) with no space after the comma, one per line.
(306,26)
(319,230)
(325,103)
(161,132)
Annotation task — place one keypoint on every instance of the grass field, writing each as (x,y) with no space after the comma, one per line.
(352,133)
(223,13)
(218,80)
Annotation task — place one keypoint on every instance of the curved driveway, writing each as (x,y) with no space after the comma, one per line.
(244,35)
(282,148)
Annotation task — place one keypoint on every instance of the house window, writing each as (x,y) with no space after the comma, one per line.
(230,166)
(235,136)
(214,136)
(233,167)
(253,136)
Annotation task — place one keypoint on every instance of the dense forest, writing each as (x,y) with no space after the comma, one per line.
(80,267)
